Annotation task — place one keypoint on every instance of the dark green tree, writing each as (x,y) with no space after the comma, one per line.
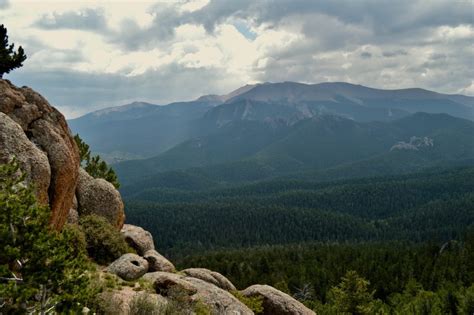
(467,302)
(41,270)
(104,243)
(94,165)
(9,58)
(352,295)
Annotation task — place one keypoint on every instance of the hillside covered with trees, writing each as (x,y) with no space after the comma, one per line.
(436,205)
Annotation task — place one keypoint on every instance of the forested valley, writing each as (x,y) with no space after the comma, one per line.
(436,205)
(404,244)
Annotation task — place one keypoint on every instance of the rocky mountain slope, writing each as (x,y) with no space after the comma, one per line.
(321,144)
(144,130)
(38,136)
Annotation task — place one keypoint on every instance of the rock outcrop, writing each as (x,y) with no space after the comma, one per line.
(46,130)
(156,262)
(98,196)
(216,299)
(209,276)
(129,267)
(195,285)
(138,238)
(276,302)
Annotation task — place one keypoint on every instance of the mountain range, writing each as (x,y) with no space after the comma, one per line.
(326,130)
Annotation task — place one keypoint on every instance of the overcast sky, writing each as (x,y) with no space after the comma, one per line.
(88,55)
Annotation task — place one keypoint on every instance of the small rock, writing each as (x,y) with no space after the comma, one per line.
(138,238)
(276,302)
(129,267)
(157,262)
(210,276)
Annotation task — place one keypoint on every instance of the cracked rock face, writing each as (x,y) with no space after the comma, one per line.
(38,136)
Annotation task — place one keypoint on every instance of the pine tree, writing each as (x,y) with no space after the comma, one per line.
(9,58)
(40,269)
(94,165)
(352,295)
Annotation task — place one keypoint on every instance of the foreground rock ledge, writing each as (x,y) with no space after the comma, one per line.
(276,302)
(217,299)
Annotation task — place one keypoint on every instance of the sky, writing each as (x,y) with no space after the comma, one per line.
(87,55)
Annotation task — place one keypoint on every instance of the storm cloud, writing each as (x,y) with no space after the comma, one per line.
(87,19)
(4,4)
(84,57)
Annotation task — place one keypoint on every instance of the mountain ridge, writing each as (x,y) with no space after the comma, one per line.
(322,144)
(143,130)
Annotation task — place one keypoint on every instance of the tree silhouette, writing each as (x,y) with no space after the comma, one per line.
(9,59)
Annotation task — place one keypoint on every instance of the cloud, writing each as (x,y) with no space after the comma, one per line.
(76,93)
(385,16)
(85,56)
(394,53)
(86,19)
(365,55)
(4,4)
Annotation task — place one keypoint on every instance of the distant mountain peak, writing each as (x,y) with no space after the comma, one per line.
(122,108)
(239,91)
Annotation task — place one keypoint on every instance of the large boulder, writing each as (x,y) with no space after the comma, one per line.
(138,238)
(129,267)
(212,277)
(98,196)
(216,299)
(276,302)
(157,262)
(47,130)
(33,161)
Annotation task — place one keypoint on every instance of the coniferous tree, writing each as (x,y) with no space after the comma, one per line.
(352,295)
(94,165)
(9,58)
(40,269)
